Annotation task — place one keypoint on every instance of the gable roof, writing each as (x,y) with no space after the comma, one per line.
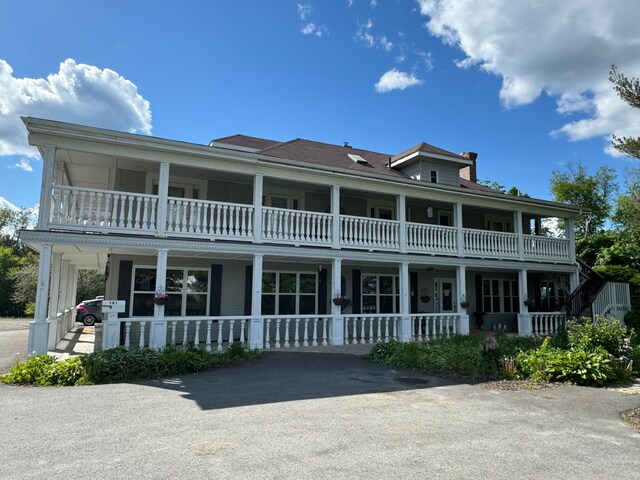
(428,149)
(244,141)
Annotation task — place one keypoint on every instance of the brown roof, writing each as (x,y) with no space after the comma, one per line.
(427,148)
(332,156)
(246,141)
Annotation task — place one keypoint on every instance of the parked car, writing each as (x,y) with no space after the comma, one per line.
(89,312)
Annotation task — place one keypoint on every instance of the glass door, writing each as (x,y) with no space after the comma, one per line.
(446,294)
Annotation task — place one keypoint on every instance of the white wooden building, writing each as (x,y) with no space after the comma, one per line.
(252,239)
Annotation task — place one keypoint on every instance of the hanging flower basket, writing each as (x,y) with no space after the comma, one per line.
(425,299)
(338,301)
(464,304)
(160,300)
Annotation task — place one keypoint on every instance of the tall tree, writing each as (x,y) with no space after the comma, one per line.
(594,192)
(628,89)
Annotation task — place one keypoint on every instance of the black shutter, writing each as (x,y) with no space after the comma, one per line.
(322,292)
(248,289)
(356,287)
(215,300)
(124,284)
(479,304)
(413,289)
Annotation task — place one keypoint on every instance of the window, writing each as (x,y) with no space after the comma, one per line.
(434,176)
(187,289)
(285,293)
(380,293)
(499,296)
(551,296)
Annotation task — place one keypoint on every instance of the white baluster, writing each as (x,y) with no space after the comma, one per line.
(208,341)
(371,320)
(286,332)
(324,331)
(127,334)
(379,329)
(305,342)
(220,326)
(277,333)
(362,327)
(242,332)
(386,329)
(185,333)
(315,332)
(231,322)
(296,343)
(174,325)
(267,342)
(355,331)
(142,327)
(196,339)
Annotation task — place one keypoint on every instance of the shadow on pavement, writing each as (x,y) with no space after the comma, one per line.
(287,376)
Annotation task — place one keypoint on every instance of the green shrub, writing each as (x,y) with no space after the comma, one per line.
(64,373)
(30,310)
(45,370)
(382,351)
(607,333)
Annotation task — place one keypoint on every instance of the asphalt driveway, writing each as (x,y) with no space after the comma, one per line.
(312,415)
(14,334)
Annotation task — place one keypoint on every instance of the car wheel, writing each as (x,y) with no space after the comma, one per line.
(89,320)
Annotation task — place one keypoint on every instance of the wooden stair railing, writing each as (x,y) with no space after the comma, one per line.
(590,285)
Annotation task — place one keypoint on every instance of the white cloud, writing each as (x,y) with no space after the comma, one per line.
(386,44)
(313,29)
(4,203)
(363,33)
(563,49)
(373,3)
(350,3)
(396,80)
(304,11)
(23,164)
(77,93)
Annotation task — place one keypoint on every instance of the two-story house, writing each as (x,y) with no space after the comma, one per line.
(288,243)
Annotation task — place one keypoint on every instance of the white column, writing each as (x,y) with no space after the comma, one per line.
(48,162)
(258,186)
(401,207)
(571,236)
(67,275)
(574,279)
(158,333)
(524,319)
(404,325)
(54,285)
(461,292)
(335,211)
(39,328)
(163,199)
(337,322)
(457,220)
(256,329)
(517,225)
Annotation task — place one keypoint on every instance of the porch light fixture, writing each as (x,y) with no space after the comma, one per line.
(429,212)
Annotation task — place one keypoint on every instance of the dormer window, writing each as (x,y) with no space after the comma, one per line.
(434,176)
(357,159)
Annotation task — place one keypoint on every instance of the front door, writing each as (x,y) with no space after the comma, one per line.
(446,294)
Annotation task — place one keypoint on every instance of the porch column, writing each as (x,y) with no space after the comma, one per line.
(256,329)
(517,224)
(67,275)
(461,284)
(258,182)
(401,201)
(54,300)
(48,162)
(574,279)
(158,333)
(524,319)
(39,328)
(404,325)
(335,211)
(337,322)
(571,236)
(163,199)
(457,220)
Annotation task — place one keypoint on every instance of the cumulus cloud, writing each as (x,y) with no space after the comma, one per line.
(363,34)
(396,80)
(563,49)
(23,164)
(386,43)
(304,11)
(77,93)
(313,29)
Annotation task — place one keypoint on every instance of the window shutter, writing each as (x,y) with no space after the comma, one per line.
(215,289)
(413,290)
(322,292)
(124,284)
(356,287)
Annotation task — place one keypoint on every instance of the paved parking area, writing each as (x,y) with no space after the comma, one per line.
(13,341)
(314,415)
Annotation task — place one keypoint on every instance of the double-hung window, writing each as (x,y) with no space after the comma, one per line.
(499,296)
(380,293)
(289,293)
(187,290)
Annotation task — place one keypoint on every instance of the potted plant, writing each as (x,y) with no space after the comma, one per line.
(340,300)
(463,302)
(160,297)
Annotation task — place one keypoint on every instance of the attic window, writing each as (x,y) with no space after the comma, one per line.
(434,176)
(357,159)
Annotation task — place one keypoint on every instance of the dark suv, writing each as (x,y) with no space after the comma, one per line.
(89,311)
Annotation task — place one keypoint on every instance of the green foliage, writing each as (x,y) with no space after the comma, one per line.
(91,283)
(120,365)
(606,333)
(628,89)
(594,192)
(30,309)
(382,351)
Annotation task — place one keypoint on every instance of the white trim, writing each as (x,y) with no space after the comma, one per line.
(430,155)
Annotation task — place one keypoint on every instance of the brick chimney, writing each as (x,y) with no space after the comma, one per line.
(469,173)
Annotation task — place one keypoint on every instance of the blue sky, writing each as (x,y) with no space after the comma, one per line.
(528,94)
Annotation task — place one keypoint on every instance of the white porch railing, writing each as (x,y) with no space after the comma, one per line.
(369,232)
(210,333)
(295,331)
(370,328)
(486,243)
(546,248)
(296,226)
(540,323)
(102,210)
(60,326)
(431,238)
(209,219)
(613,300)
(429,326)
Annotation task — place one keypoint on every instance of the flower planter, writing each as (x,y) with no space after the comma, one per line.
(464,304)
(338,301)
(425,299)
(160,300)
